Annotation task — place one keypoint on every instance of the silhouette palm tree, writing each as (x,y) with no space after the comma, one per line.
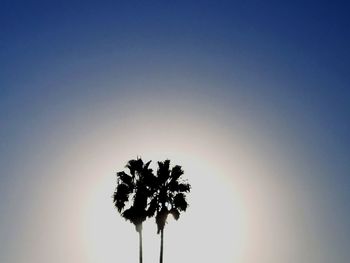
(131,194)
(169,196)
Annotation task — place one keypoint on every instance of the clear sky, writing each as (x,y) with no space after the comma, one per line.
(253,96)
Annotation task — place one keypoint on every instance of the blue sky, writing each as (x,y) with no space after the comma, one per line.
(281,65)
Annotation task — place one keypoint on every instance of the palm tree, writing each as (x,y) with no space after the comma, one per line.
(131,195)
(169,196)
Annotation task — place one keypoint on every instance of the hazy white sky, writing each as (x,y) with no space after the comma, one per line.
(249,199)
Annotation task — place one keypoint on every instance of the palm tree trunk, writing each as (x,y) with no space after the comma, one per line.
(140,246)
(161,246)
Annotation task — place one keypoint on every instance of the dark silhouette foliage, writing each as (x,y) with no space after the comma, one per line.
(132,193)
(141,194)
(169,196)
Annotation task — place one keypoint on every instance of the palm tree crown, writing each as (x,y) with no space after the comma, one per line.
(141,194)
(131,194)
(169,193)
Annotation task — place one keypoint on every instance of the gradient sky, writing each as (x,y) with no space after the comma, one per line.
(264,83)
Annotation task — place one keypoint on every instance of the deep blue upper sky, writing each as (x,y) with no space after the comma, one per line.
(291,57)
(297,50)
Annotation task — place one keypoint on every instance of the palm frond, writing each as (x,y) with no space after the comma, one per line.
(176,172)
(163,172)
(151,182)
(129,214)
(180,202)
(135,165)
(175,213)
(173,185)
(125,178)
(121,196)
(134,215)
(147,165)
(184,187)
(170,192)
(152,208)
(166,164)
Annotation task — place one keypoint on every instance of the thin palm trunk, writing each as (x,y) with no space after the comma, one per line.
(161,246)
(140,245)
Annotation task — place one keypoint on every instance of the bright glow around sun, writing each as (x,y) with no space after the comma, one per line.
(241,208)
(212,218)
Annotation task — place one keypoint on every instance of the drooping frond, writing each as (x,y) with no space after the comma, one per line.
(129,214)
(121,196)
(136,216)
(175,213)
(180,202)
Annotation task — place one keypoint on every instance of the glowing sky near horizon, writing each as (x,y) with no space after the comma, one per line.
(250,98)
